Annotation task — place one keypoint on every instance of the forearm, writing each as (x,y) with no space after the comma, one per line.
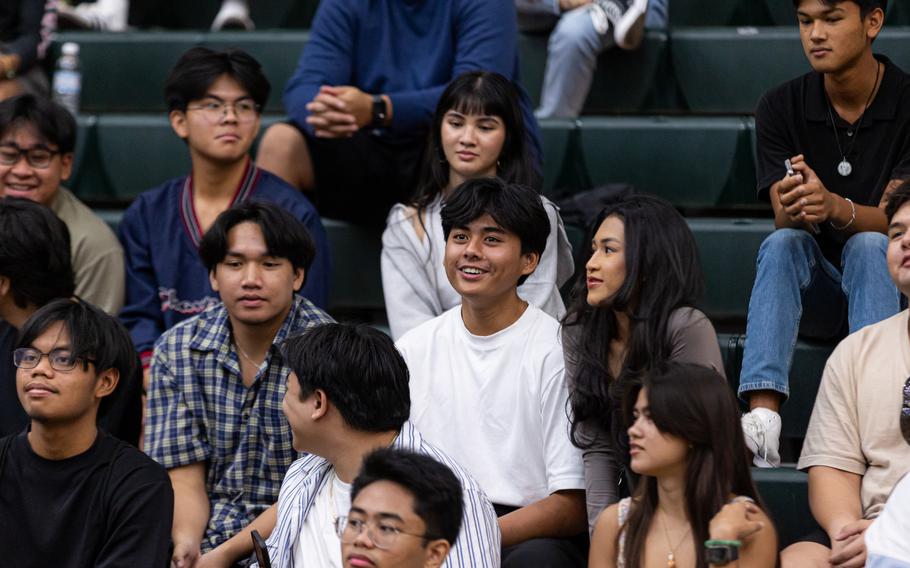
(240,546)
(191,503)
(868,219)
(834,497)
(559,515)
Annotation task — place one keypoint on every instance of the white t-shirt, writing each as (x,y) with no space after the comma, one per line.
(888,538)
(855,424)
(496,404)
(319,545)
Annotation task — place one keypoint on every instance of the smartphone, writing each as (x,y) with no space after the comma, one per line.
(812,226)
(262,553)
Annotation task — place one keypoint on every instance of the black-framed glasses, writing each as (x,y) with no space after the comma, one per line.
(905,411)
(60,359)
(382,535)
(36,156)
(245,110)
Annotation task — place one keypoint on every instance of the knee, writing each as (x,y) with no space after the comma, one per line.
(784,244)
(281,140)
(573,35)
(865,247)
(805,555)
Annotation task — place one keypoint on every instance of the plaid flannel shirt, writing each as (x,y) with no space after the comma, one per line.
(199,410)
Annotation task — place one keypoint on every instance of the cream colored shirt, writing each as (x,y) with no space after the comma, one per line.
(855,423)
(97,254)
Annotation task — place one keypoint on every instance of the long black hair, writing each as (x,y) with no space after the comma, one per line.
(481,93)
(694,403)
(663,274)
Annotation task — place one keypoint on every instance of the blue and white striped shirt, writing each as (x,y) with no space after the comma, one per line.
(478,544)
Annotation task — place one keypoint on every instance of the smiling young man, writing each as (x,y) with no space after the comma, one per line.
(37,140)
(487,377)
(217,380)
(72,496)
(845,129)
(858,443)
(405,512)
(215,100)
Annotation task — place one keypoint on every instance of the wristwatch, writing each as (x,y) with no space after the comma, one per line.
(379,112)
(721,552)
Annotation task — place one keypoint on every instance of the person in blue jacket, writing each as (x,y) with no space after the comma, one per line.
(215,100)
(362,98)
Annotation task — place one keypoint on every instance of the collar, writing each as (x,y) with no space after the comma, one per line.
(883,106)
(212,330)
(188,211)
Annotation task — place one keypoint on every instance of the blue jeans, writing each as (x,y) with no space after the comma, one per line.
(797,291)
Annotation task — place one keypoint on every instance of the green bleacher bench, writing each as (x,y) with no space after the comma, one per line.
(698,162)
(726,70)
(125,72)
(785,492)
(720,12)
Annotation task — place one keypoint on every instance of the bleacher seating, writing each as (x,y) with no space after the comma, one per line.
(674,118)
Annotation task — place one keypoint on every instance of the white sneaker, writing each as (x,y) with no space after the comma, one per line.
(233,15)
(761,428)
(628,18)
(109,15)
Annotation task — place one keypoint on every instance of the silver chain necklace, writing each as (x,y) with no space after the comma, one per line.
(845,168)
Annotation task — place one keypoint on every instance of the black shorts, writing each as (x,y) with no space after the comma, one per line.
(358,179)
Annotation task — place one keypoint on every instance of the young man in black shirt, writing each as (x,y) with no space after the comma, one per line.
(844,130)
(70,494)
(35,268)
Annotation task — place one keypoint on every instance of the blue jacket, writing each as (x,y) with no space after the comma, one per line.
(166,281)
(409,50)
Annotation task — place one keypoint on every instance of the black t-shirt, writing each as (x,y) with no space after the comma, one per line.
(12,417)
(794,119)
(109,506)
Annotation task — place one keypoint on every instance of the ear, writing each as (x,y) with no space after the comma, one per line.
(107,382)
(212,280)
(66,166)
(178,123)
(320,404)
(5,286)
(529,262)
(298,278)
(436,552)
(874,21)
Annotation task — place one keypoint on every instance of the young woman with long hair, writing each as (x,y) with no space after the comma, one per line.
(695,504)
(631,309)
(477,131)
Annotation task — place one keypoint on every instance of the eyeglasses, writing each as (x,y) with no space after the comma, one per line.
(383,536)
(36,156)
(214,111)
(60,359)
(905,412)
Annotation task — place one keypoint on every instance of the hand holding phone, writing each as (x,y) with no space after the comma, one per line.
(812,226)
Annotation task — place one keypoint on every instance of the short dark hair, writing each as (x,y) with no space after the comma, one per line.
(865,6)
(93,334)
(438,498)
(516,208)
(360,370)
(285,235)
(53,123)
(34,253)
(898,198)
(199,67)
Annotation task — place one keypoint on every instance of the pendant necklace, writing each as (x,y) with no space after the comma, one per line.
(845,168)
(245,356)
(671,557)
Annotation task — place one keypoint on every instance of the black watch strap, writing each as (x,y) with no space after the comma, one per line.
(379,112)
(721,553)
